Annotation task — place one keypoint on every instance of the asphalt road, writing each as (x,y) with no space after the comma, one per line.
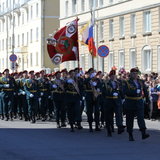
(21,140)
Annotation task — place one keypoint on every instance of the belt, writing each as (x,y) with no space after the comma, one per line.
(43,90)
(88,90)
(133,98)
(70,92)
(115,97)
(8,89)
(33,91)
(58,92)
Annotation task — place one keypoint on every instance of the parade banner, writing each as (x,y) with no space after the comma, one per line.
(63,46)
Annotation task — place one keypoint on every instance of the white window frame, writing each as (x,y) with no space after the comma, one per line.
(66,8)
(74,6)
(144,61)
(122,27)
(120,52)
(31,59)
(111,28)
(147,20)
(101,3)
(82,5)
(110,61)
(101,30)
(31,35)
(37,59)
(133,24)
(132,65)
(37,33)
(37,9)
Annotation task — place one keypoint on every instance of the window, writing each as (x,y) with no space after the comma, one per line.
(133,24)
(31,60)
(100,3)
(23,18)
(66,8)
(36,58)
(82,60)
(121,59)
(146,56)
(0,26)
(110,1)
(91,3)
(22,39)
(27,37)
(37,34)
(159,19)
(74,6)
(10,42)
(31,12)
(111,32)
(147,21)
(121,23)
(18,40)
(2,44)
(159,59)
(37,9)
(132,58)
(82,5)
(31,36)
(110,61)
(101,30)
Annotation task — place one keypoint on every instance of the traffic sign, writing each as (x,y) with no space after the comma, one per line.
(103,51)
(13,57)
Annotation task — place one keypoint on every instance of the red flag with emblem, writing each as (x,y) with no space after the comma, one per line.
(63,46)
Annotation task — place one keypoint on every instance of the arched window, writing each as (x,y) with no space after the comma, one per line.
(147,58)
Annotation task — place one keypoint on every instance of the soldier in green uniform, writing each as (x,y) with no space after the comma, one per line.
(72,99)
(134,104)
(31,90)
(43,85)
(58,98)
(8,86)
(22,101)
(113,103)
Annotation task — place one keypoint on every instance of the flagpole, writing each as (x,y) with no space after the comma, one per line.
(93,25)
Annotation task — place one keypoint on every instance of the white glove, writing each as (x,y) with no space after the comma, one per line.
(14,93)
(41,93)
(78,75)
(49,97)
(70,81)
(123,100)
(31,95)
(39,99)
(23,93)
(6,85)
(98,90)
(94,84)
(138,91)
(83,98)
(115,94)
(93,75)
(54,86)
(19,93)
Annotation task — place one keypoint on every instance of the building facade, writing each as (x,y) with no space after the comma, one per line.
(24,28)
(130,28)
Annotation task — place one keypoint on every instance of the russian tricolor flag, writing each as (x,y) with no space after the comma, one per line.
(87,38)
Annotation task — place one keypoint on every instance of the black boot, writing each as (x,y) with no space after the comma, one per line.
(97,128)
(131,137)
(90,127)
(79,125)
(109,132)
(72,128)
(144,134)
(120,130)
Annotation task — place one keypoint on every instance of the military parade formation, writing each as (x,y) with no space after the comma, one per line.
(67,95)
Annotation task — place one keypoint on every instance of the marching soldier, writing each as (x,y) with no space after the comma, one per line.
(7,84)
(72,99)
(113,104)
(43,86)
(31,90)
(134,104)
(58,98)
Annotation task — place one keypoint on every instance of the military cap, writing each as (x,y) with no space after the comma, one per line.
(71,71)
(6,70)
(37,73)
(134,70)
(31,72)
(42,71)
(112,72)
(64,70)
(98,73)
(56,73)
(90,70)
